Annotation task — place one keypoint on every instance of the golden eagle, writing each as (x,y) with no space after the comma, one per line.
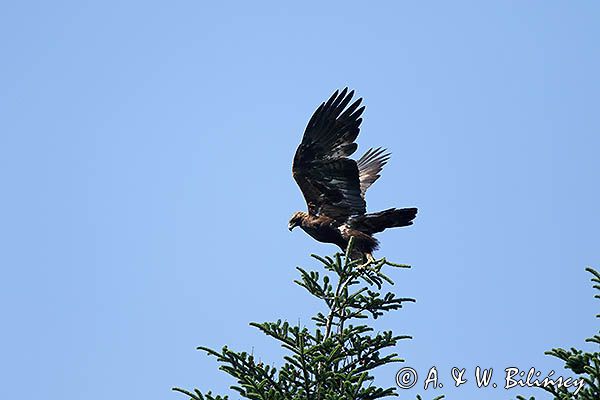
(334,185)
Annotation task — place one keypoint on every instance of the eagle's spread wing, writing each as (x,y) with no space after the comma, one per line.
(329,180)
(369,167)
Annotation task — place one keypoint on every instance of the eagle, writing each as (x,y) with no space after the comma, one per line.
(334,185)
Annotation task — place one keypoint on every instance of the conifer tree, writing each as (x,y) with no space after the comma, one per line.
(584,364)
(335,358)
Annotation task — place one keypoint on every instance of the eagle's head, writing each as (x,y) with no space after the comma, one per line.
(296,219)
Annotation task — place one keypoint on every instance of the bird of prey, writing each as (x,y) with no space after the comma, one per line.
(334,185)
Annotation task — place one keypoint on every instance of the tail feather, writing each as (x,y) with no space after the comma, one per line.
(390,218)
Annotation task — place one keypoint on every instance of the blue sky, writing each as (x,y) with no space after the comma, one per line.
(145,160)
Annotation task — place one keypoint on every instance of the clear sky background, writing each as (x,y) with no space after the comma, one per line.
(145,152)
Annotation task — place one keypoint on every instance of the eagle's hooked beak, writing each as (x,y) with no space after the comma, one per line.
(291,226)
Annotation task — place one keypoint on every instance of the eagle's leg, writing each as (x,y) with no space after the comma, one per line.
(368,259)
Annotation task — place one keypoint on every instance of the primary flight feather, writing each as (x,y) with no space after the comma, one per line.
(334,186)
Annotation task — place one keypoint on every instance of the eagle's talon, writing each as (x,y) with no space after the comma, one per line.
(368,260)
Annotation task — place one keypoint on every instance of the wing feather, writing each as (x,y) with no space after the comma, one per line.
(328,179)
(370,166)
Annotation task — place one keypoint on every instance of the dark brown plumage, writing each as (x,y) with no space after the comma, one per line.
(334,185)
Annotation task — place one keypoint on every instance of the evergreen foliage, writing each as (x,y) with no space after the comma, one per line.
(584,364)
(335,359)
